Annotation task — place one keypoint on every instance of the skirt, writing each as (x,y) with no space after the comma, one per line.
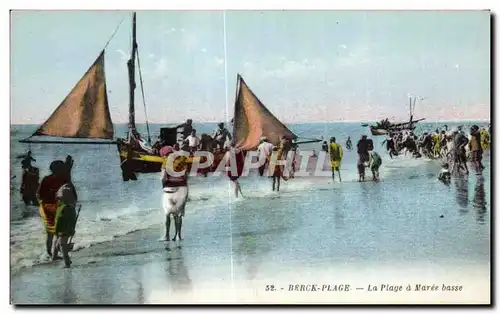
(174,200)
(335,164)
(48,215)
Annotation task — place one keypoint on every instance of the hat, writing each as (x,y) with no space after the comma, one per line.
(332,139)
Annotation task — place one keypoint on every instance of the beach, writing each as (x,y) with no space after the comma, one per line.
(409,229)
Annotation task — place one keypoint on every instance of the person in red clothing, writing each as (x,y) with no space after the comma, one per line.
(47,197)
(235,160)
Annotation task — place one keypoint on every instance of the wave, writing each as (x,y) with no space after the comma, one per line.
(102,224)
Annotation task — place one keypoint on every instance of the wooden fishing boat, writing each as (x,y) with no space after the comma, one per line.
(385,127)
(85,117)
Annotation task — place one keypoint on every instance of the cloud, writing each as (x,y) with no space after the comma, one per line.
(124,56)
(170,30)
(343,46)
(203,49)
(357,56)
(182,29)
(219,61)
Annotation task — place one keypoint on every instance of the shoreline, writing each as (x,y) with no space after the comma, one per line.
(239,247)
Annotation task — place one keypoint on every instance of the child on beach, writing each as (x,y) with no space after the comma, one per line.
(445,175)
(65,220)
(376,162)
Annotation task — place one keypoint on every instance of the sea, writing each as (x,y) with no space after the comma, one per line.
(403,208)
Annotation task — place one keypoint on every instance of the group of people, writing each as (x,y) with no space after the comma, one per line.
(454,147)
(56,195)
(366,157)
(175,187)
(188,139)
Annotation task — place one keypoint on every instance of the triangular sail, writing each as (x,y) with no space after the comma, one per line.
(84,113)
(252,120)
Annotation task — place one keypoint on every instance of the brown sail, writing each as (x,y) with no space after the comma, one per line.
(252,120)
(84,113)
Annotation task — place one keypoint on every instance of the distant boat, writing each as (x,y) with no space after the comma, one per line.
(385,127)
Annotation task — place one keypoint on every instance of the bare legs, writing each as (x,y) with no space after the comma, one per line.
(276,183)
(178,227)
(62,244)
(48,243)
(237,188)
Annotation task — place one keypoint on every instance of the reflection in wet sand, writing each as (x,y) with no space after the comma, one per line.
(69,295)
(176,270)
(256,237)
(462,195)
(140,287)
(104,290)
(479,201)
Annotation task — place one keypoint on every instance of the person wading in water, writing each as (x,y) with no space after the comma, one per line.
(175,192)
(65,220)
(348,143)
(476,149)
(376,162)
(237,156)
(49,187)
(364,147)
(390,146)
(460,158)
(335,157)
(265,149)
(29,185)
(278,155)
(27,159)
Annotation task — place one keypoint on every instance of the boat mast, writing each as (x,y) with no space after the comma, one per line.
(131,78)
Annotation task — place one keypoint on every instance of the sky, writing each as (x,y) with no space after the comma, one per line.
(305,66)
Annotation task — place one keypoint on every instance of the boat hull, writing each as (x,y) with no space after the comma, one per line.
(376,131)
(394,128)
(141,161)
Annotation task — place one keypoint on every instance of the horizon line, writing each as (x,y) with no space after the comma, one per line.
(291,123)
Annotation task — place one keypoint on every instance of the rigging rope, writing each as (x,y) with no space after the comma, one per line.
(143,98)
(114,33)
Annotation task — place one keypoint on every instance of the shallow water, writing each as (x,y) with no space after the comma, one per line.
(397,219)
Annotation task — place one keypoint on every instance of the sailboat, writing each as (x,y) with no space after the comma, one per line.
(84,115)
(252,120)
(384,127)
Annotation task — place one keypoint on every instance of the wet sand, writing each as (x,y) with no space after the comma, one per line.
(397,233)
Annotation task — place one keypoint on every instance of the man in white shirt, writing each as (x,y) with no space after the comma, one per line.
(265,150)
(193,141)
